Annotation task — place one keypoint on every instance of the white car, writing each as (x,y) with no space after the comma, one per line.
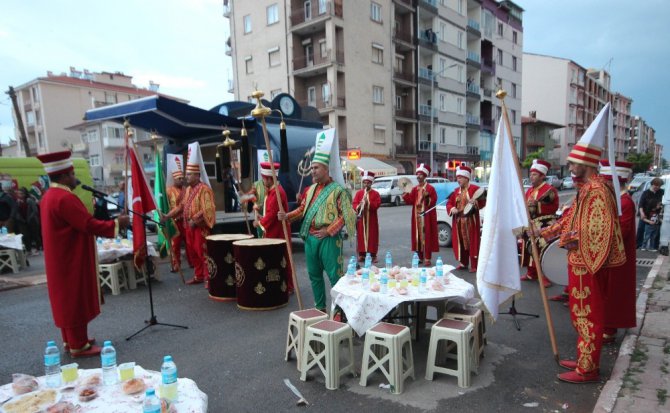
(443,226)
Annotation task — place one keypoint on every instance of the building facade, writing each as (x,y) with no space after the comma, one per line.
(537,134)
(400,79)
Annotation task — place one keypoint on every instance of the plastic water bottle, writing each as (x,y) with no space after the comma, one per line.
(129,235)
(365,278)
(52,365)
(422,281)
(353,261)
(439,270)
(368,260)
(169,379)
(108,358)
(4,230)
(152,404)
(383,282)
(351,271)
(99,241)
(389,261)
(415,262)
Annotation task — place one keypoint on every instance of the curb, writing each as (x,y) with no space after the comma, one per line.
(610,392)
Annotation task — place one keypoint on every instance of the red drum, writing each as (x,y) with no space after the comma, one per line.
(261,271)
(221,265)
(554,262)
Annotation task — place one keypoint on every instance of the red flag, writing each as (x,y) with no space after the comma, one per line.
(142,203)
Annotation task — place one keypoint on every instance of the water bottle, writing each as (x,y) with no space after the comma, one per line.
(4,230)
(368,260)
(353,261)
(422,281)
(365,278)
(439,270)
(108,358)
(169,379)
(415,262)
(350,271)
(99,241)
(383,282)
(389,261)
(152,404)
(52,365)
(129,235)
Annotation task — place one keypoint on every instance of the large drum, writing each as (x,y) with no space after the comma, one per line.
(554,261)
(221,265)
(261,271)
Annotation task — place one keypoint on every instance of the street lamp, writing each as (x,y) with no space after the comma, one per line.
(432,105)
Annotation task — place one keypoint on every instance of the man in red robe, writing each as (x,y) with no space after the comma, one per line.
(68,232)
(542,200)
(366,203)
(465,229)
(424,224)
(267,219)
(619,285)
(175,194)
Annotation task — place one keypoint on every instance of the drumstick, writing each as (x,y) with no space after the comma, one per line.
(432,208)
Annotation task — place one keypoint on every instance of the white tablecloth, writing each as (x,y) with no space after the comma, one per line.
(365,308)
(13,241)
(110,250)
(111,399)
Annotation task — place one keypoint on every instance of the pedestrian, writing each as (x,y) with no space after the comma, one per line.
(7,207)
(199,214)
(465,226)
(324,210)
(650,204)
(266,219)
(592,236)
(542,199)
(68,231)
(366,203)
(423,199)
(28,221)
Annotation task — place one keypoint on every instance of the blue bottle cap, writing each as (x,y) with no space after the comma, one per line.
(51,343)
(151,392)
(107,343)
(167,358)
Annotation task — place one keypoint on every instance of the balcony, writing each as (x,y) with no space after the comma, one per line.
(488,93)
(405,113)
(489,66)
(316,63)
(428,5)
(315,13)
(471,120)
(405,150)
(406,38)
(425,76)
(425,112)
(406,77)
(113,142)
(473,59)
(407,5)
(473,28)
(425,146)
(473,90)
(488,124)
(27,107)
(327,104)
(428,39)
(472,150)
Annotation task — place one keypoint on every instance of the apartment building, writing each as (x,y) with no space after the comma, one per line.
(538,134)
(643,136)
(400,79)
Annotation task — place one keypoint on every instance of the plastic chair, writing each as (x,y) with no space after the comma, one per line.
(322,349)
(298,321)
(462,334)
(395,364)
(112,275)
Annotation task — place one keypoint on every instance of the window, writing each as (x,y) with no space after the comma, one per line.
(322,48)
(500,30)
(40,139)
(30,118)
(459,73)
(273,57)
(249,64)
(112,132)
(247,23)
(513,116)
(36,94)
(443,136)
(378,95)
(399,63)
(498,112)
(443,31)
(514,90)
(377,53)
(443,67)
(272,13)
(398,102)
(110,98)
(92,136)
(459,106)
(379,134)
(309,55)
(460,40)
(323,6)
(308,9)
(311,96)
(459,137)
(515,38)
(325,93)
(499,83)
(146,158)
(375,12)
(443,102)
(500,57)
(514,63)
(94,160)
(274,93)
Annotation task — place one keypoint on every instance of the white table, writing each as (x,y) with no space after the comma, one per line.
(12,255)
(12,241)
(111,399)
(110,250)
(365,308)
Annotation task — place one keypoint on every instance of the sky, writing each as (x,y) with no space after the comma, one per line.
(179,44)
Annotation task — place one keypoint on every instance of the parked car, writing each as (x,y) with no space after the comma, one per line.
(638,182)
(436,180)
(444,220)
(567,183)
(389,190)
(554,181)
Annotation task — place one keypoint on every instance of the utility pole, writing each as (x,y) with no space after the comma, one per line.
(19,120)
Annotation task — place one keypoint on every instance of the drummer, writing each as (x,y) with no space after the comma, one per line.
(424,224)
(266,218)
(542,200)
(465,226)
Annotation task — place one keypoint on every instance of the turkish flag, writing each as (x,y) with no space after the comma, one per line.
(142,203)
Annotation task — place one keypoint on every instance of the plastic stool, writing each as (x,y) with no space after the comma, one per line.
(394,339)
(475,317)
(298,321)
(133,276)
(459,332)
(9,258)
(112,275)
(330,334)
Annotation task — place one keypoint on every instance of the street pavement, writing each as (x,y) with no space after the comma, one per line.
(237,357)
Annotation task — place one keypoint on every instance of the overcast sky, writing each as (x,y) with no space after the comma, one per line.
(180,45)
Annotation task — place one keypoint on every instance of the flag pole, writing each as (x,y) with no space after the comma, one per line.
(260,113)
(127,135)
(533,239)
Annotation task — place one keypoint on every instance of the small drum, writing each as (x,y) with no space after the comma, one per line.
(469,209)
(554,263)
(221,265)
(261,271)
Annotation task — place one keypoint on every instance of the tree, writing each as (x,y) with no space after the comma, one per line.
(664,163)
(538,154)
(641,161)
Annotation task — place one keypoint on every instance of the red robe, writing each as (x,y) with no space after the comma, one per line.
(367,226)
(272,227)
(175,196)
(620,288)
(465,231)
(422,199)
(68,232)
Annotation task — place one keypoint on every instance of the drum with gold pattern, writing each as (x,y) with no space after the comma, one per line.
(261,271)
(221,265)
(554,260)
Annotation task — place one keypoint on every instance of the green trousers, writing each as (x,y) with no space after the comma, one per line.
(323,255)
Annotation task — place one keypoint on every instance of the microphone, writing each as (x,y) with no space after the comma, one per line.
(94,191)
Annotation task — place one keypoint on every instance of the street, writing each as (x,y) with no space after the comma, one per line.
(237,357)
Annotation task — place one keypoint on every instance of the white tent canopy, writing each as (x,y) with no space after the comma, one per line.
(376,166)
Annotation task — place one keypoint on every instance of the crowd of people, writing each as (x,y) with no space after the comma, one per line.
(20,214)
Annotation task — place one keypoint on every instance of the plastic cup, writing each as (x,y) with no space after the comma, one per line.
(70,372)
(392,282)
(127,371)
(404,283)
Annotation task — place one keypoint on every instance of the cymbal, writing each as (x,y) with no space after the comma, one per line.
(405,184)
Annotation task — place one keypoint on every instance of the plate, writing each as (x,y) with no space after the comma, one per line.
(30,402)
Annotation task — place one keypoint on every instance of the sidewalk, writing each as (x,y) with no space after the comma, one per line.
(640,379)
(32,275)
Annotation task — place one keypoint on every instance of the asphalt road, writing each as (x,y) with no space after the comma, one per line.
(237,357)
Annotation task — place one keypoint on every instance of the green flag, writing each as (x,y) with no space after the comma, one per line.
(166,233)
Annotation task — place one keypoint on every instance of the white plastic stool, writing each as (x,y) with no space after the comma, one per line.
(474,316)
(112,275)
(133,276)
(9,258)
(459,332)
(322,349)
(298,321)
(395,365)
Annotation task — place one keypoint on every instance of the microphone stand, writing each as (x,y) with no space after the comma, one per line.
(153,320)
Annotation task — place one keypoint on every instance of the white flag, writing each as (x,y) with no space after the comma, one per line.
(505,213)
